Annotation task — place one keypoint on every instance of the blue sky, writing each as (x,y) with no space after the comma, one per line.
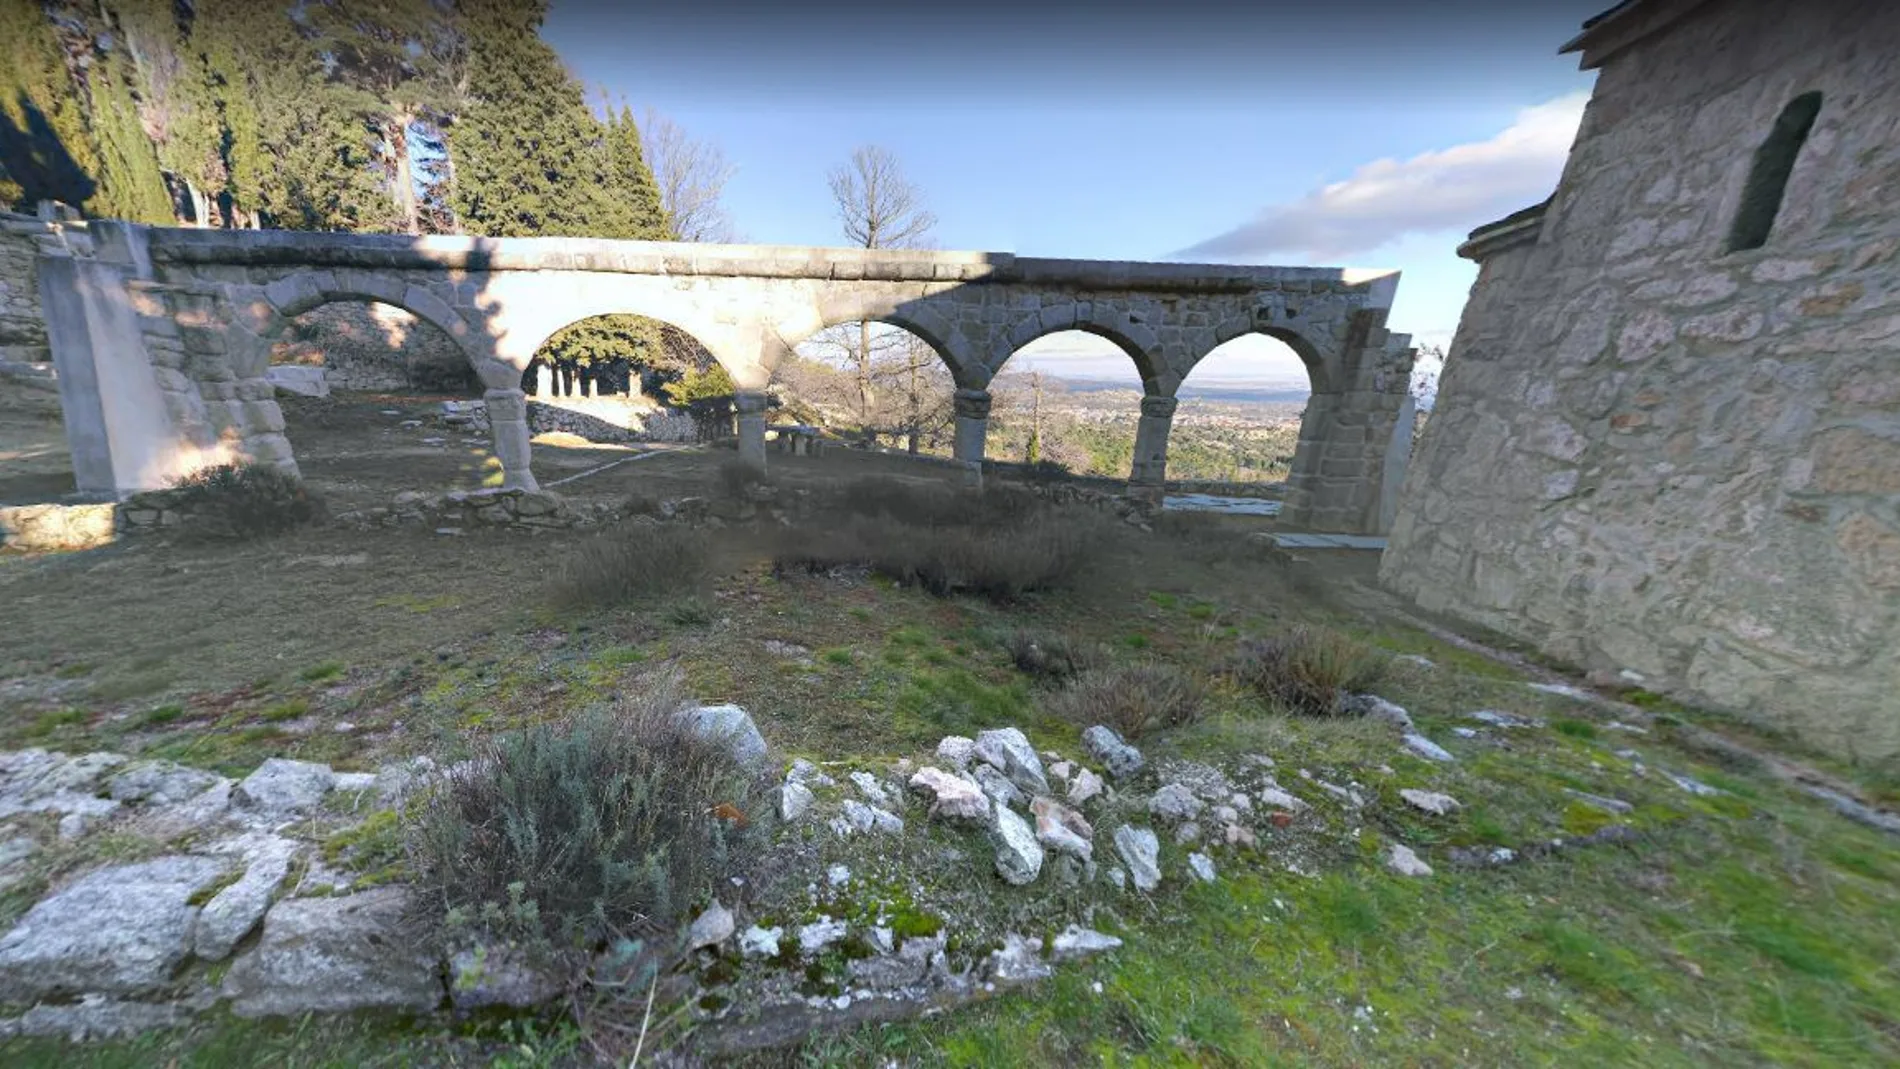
(1364,134)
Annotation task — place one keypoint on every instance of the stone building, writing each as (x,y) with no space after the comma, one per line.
(1667,442)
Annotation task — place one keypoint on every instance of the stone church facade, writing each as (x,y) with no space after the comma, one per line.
(1667,440)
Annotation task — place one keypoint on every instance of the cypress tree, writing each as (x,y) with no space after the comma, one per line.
(629,181)
(130,184)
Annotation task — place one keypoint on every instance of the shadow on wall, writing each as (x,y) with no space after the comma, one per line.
(33,158)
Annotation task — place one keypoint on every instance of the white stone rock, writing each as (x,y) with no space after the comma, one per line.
(858,817)
(1062,770)
(1076,942)
(1062,829)
(1693,786)
(1107,748)
(95,1017)
(1175,802)
(281,788)
(998,787)
(159,783)
(1406,863)
(1275,798)
(838,875)
(1241,802)
(1141,852)
(794,799)
(956,751)
(1084,786)
(1020,960)
(872,790)
(335,955)
(1430,801)
(118,930)
(39,781)
(1202,867)
(732,726)
(756,942)
(1372,707)
(354,781)
(1189,832)
(234,911)
(1426,748)
(1008,751)
(1226,814)
(813,938)
(498,974)
(1118,876)
(396,780)
(711,928)
(952,797)
(1018,854)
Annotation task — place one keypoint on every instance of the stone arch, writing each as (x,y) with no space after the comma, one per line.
(1262,321)
(1125,331)
(944,339)
(296,294)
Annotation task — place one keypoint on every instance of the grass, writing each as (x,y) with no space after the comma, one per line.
(1751,928)
(630,563)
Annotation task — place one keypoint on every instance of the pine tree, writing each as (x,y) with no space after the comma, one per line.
(46,150)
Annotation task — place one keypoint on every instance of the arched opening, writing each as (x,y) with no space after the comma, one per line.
(36,463)
(626,378)
(1768,173)
(873,383)
(1237,426)
(1067,401)
(377,400)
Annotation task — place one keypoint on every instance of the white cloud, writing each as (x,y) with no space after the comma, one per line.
(1456,188)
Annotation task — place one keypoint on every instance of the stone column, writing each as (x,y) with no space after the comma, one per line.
(973,427)
(750,406)
(543,381)
(508,422)
(1149,476)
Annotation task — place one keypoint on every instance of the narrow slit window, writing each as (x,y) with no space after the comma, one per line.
(1768,173)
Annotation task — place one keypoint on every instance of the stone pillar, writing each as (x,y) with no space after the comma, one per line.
(973,428)
(508,422)
(750,406)
(1398,455)
(1149,476)
(543,381)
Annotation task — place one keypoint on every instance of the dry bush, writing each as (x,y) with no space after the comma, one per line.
(738,475)
(583,832)
(239,502)
(1135,699)
(999,563)
(631,562)
(1049,655)
(935,504)
(1306,671)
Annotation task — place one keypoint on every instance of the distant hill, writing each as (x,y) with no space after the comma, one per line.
(1276,393)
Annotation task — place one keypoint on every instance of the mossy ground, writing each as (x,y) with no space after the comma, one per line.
(1749,927)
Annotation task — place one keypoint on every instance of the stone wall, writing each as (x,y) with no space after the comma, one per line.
(1653,455)
(32,388)
(374,347)
(22,325)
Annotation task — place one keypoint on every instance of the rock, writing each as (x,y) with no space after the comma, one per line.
(1608,805)
(1141,852)
(1497,719)
(1239,835)
(1187,833)
(1430,801)
(1373,707)
(1019,961)
(335,955)
(1562,690)
(733,726)
(1061,770)
(1106,747)
(118,930)
(1118,876)
(159,783)
(1693,786)
(1018,854)
(997,786)
(872,790)
(805,772)
(1077,942)
(95,1017)
(956,751)
(1416,660)
(858,817)
(281,788)
(1240,802)
(1207,782)
(72,826)
(1175,802)
(39,781)
(354,781)
(917,960)
(710,928)
(1084,786)
(395,781)
(1008,751)
(813,938)
(234,911)
(838,875)
(952,797)
(1406,863)
(1202,867)
(497,974)
(1426,748)
(1062,829)
(756,942)
(793,800)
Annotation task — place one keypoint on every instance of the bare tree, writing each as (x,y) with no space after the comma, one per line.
(692,176)
(879,209)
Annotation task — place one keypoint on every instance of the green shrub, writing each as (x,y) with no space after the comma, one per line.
(243,501)
(1306,671)
(1135,699)
(631,562)
(617,824)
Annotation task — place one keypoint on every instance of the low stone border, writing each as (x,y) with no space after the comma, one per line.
(54,526)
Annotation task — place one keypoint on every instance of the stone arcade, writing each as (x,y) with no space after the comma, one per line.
(162,336)
(1667,443)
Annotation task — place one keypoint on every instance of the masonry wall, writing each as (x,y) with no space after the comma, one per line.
(22,325)
(364,345)
(1651,455)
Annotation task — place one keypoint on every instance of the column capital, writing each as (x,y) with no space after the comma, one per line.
(1158,407)
(973,404)
(749,402)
